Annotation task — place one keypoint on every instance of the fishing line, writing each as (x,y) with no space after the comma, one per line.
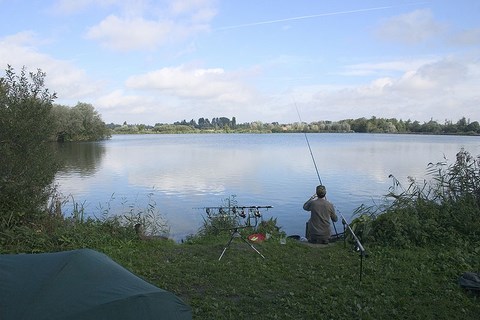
(346,226)
(313,159)
(308,144)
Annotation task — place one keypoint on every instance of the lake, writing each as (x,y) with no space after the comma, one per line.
(177,174)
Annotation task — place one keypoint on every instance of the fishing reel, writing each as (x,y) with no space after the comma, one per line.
(247,216)
(252,214)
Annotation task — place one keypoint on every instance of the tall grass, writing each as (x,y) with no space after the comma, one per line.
(56,230)
(444,210)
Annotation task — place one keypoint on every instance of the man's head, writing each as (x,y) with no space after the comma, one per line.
(321,191)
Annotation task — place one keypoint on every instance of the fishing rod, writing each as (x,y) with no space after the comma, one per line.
(346,226)
(313,159)
(234,209)
(236,212)
(238,207)
(309,148)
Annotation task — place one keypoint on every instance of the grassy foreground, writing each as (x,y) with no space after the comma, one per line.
(296,281)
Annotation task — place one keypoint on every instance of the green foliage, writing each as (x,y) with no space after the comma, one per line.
(270,227)
(361,226)
(443,210)
(228,218)
(53,233)
(56,231)
(361,125)
(80,123)
(221,222)
(28,165)
(179,128)
(152,221)
(218,224)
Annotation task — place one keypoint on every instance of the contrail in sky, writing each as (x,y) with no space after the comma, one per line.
(310,16)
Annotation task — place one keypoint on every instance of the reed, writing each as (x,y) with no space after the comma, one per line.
(444,210)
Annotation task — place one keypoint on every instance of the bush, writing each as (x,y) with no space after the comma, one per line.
(443,210)
(28,165)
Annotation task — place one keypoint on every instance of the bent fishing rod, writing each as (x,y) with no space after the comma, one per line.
(344,221)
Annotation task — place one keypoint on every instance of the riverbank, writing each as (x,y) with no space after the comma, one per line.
(300,282)
(294,281)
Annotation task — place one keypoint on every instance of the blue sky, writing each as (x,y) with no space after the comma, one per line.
(162,61)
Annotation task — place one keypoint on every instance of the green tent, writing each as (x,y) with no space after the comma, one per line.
(80,284)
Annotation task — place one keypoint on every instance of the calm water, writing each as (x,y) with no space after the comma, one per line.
(179,173)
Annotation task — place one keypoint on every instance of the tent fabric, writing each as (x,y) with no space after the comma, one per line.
(470,281)
(80,284)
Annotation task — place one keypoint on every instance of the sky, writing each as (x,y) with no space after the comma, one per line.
(161,61)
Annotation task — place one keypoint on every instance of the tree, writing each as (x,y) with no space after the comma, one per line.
(92,126)
(28,165)
(223,122)
(359,125)
(61,114)
(462,124)
(204,123)
(415,126)
(80,123)
(473,127)
(431,127)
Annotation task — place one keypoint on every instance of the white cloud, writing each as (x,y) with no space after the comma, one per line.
(118,99)
(435,89)
(190,83)
(126,34)
(22,38)
(440,76)
(411,28)
(149,26)
(119,106)
(382,68)
(417,91)
(427,76)
(63,77)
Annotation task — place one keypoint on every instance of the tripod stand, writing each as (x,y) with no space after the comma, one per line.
(236,234)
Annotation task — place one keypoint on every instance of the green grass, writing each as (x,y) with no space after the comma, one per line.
(296,281)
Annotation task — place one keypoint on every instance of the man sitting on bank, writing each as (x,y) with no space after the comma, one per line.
(318,226)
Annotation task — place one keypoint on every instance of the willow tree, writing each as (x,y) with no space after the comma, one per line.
(80,123)
(27,165)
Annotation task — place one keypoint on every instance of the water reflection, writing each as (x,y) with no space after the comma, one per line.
(82,158)
(182,172)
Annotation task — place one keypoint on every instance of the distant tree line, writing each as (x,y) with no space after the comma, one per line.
(216,123)
(362,125)
(462,126)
